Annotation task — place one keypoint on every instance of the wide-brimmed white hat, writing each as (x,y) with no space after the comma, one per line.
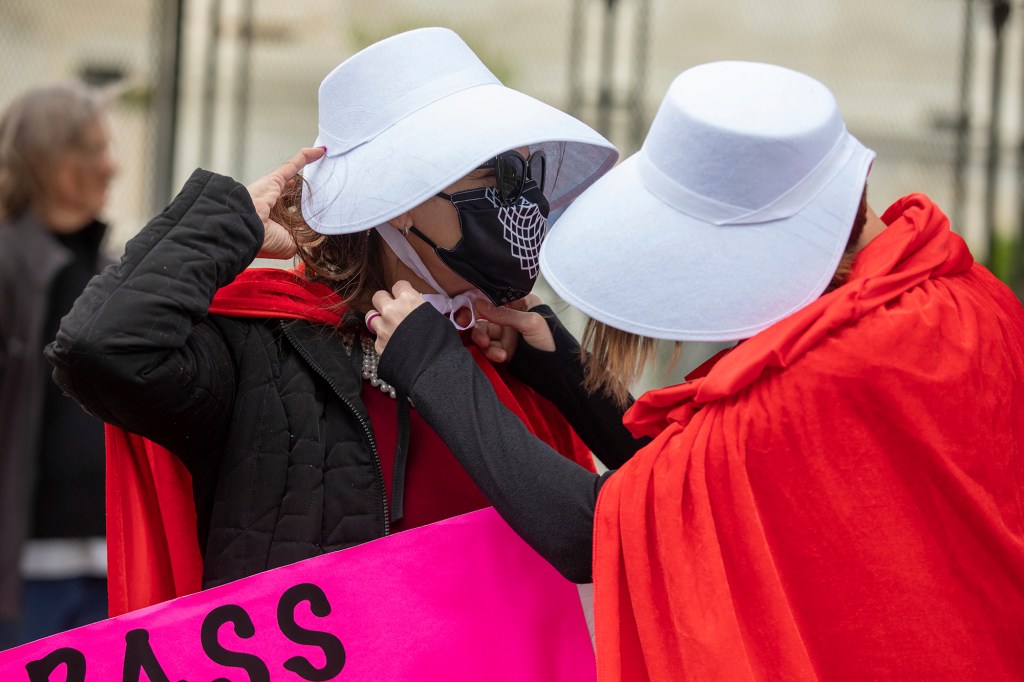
(408,116)
(733,215)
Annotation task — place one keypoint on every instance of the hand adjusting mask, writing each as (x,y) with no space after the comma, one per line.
(502,229)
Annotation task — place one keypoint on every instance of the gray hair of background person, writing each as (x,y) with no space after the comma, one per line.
(36,129)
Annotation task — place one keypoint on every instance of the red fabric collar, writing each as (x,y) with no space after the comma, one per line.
(269,292)
(916,245)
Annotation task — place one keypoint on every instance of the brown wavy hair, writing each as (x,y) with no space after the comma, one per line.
(613,359)
(351,264)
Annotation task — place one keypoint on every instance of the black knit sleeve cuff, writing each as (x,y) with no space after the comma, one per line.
(546,371)
(420,340)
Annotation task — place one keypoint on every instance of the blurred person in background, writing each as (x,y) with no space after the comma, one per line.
(264,383)
(55,170)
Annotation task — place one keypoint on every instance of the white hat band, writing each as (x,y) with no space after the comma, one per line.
(786,205)
(412,101)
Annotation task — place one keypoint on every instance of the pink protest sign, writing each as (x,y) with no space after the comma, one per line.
(463,599)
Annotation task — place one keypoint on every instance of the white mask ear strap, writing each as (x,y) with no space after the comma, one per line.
(405,253)
(445,304)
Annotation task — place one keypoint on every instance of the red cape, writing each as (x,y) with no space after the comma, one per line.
(152,546)
(840,497)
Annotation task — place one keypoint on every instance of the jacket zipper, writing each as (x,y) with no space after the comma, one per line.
(366,427)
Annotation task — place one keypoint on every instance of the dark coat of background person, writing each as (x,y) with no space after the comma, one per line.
(56,168)
(31,257)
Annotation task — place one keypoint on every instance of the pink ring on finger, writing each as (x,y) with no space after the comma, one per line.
(370,317)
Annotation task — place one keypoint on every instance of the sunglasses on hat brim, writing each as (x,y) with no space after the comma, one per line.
(511,171)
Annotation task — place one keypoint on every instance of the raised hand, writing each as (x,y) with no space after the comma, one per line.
(389,309)
(512,320)
(265,192)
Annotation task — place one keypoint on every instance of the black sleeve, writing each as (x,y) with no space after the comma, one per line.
(547,499)
(558,376)
(136,349)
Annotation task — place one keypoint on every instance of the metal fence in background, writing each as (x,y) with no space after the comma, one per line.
(231,84)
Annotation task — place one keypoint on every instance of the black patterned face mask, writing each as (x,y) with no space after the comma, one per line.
(499,251)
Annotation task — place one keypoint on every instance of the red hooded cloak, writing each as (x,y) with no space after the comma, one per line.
(841,497)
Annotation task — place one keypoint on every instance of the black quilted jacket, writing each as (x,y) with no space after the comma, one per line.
(264,413)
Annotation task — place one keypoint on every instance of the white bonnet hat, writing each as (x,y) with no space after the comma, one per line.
(734,213)
(409,115)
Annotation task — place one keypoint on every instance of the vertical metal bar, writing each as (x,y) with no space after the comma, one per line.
(169,15)
(605,97)
(211,59)
(963,122)
(576,59)
(641,49)
(243,86)
(1000,13)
